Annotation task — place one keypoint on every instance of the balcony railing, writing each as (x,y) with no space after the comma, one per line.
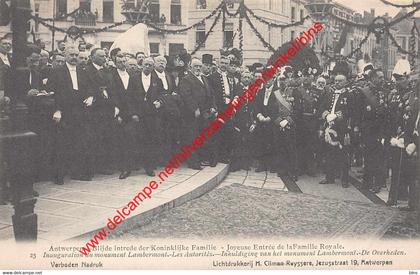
(85,19)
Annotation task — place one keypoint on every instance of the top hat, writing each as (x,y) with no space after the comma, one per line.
(207,58)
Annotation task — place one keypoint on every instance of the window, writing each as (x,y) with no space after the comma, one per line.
(61,9)
(404,43)
(200,34)
(293,14)
(176,12)
(301,15)
(175,48)
(108,11)
(228,36)
(154,11)
(201,4)
(84,5)
(283,6)
(154,48)
(292,35)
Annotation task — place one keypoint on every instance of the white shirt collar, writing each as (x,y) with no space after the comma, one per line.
(96,66)
(143,75)
(5,59)
(162,74)
(70,67)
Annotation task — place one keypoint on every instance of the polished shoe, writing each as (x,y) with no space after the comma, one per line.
(260,169)
(213,163)
(105,172)
(124,175)
(224,160)
(375,190)
(150,172)
(294,177)
(195,167)
(205,163)
(325,181)
(391,203)
(59,181)
(82,178)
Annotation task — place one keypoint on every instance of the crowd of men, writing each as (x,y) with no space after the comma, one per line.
(96,112)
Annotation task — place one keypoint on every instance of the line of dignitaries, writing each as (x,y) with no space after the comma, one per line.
(105,118)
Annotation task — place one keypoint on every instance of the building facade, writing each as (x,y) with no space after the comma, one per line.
(277,11)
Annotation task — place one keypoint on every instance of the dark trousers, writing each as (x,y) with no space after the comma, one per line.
(265,147)
(243,149)
(192,128)
(374,156)
(398,190)
(75,148)
(225,141)
(285,141)
(308,143)
(105,142)
(171,141)
(337,162)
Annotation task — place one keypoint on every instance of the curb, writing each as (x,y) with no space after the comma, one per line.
(190,189)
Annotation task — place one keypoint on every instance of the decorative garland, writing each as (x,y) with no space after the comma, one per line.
(76,30)
(395,43)
(360,45)
(400,5)
(412,43)
(218,9)
(274,25)
(241,36)
(62,17)
(265,43)
(201,43)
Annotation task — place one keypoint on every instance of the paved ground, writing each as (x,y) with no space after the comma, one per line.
(71,206)
(240,210)
(276,210)
(77,207)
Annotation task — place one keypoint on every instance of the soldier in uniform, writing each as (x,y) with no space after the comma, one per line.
(285,130)
(337,109)
(307,109)
(374,116)
(224,83)
(396,130)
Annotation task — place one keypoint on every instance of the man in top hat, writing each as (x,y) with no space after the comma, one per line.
(207,60)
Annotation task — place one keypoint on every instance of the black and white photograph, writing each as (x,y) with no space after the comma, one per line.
(209,134)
